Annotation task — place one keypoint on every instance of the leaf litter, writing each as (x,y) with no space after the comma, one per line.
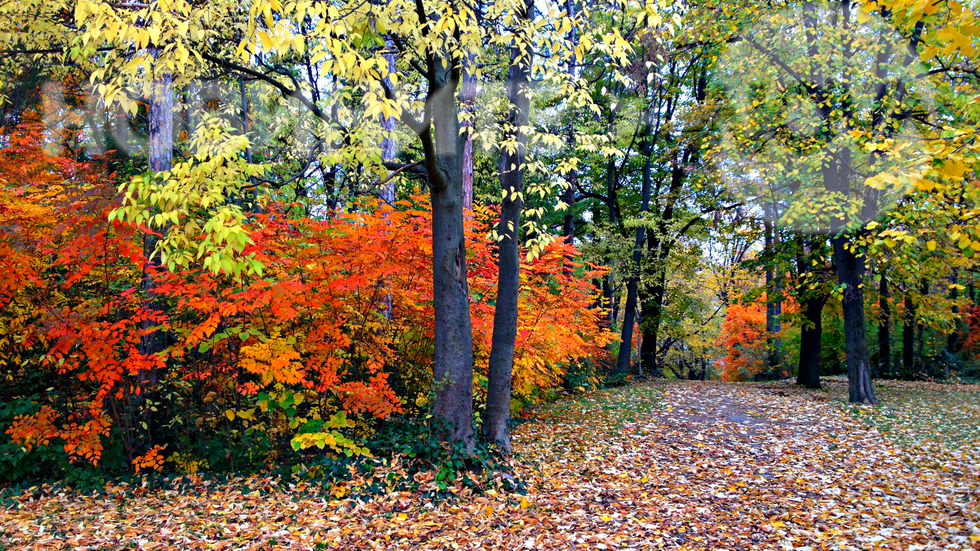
(679,465)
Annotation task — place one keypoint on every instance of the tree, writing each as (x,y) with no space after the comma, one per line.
(832,91)
(513,157)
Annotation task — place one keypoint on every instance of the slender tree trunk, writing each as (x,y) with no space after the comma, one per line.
(388,144)
(920,326)
(632,284)
(953,338)
(608,290)
(512,163)
(809,371)
(568,197)
(908,339)
(389,154)
(161,112)
(253,182)
(467,97)
(884,327)
(772,306)
(453,357)
(659,246)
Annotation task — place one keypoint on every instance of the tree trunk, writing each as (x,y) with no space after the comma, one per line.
(632,284)
(659,246)
(908,339)
(467,96)
(808,374)
(453,357)
(495,427)
(773,306)
(161,118)
(253,182)
(388,145)
(920,326)
(953,338)
(608,290)
(884,327)
(850,272)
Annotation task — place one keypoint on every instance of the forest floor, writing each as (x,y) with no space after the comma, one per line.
(679,465)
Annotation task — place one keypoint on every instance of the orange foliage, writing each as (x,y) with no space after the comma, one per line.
(151,460)
(343,308)
(743,335)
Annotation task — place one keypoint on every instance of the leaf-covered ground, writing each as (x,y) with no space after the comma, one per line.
(677,466)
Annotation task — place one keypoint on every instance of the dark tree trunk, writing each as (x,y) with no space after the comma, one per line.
(884,327)
(953,338)
(652,308)
(850,272)
(495,427)
(608,291)
(773,306)
(632,284)
(810,336)
(908,339)
(568,224)
(659,245)
(453,357)
(920,326)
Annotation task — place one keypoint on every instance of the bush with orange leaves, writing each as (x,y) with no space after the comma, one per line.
(336,334)
(743,337)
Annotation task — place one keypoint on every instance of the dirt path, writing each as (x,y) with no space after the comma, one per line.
(686,466)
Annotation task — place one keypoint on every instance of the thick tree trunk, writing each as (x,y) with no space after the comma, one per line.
(884,328)
(632,284)
(652,308)
(808,374)
(453,357)
(495,427)
(850,272)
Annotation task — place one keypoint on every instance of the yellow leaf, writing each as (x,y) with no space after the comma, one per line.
(931,245)
(230,414)
(605,518)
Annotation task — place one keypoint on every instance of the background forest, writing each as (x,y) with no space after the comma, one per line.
(263,235)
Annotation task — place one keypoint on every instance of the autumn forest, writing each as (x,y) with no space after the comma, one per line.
(515,274)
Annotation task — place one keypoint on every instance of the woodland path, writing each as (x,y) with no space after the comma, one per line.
(683,465)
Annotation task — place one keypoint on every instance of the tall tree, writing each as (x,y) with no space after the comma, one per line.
(513,159)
